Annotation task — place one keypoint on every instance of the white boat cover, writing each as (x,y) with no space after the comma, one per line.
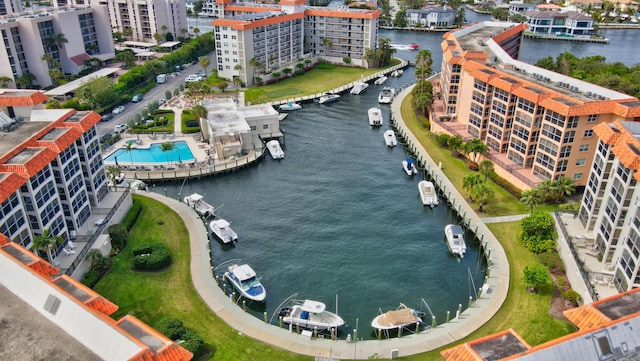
(242,272)
(397,318)
(196,197)
(313,306)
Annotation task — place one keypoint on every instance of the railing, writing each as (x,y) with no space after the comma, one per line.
(87,246)
(512,169)
(583,272)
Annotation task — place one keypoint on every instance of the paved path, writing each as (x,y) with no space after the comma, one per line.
(468,321)
(516,217)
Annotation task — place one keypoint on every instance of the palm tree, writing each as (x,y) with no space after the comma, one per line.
(481,193)
(485,167)
(199,112)
(168,147)
(127,58)
(55,75)
(46,241)
(49,59)
(196,31)
(531,198)
(567,186)
(424,63)
(112,173)
(477,147)
(256,64)
(128,147)
(469,182)
(455,143)
(158,38)
(327,43)
(26,80)
(56,41)
(545,188)
(5,81)
(204,62)
(238,67)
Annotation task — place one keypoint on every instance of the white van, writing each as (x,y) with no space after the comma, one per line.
(161,78)
(192,78)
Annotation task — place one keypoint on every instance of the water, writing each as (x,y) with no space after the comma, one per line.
(153,154)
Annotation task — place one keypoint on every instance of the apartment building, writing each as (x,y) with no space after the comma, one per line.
(537,124)
(607,330)
(51,169)
(554,23)
(10,7)
(280,36)
(432,17)
(25,35)
(609,208)
(145,18)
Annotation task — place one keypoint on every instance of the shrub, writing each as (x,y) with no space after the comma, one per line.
(192,342)
(90,278)
(443,140)
(472,166)
(535,275)
(322,65)
(299,72)
(552,261)
(118,236)
(571,295)
(132,216)
(151,256)
(504,184)
(174,329)
(538,224)
(171,327)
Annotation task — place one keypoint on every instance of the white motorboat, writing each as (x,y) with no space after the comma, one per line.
(244,280)
(119,177)
(311,315)
(222,230)
(380,80)
(386,95)
(375,117)
(275,150)
(390,138)
(428,194)
(137,185)
(455,239)
(397,73)
(282,116)
(289,106)
(359,87)
(196,201)
(402,317)
(328,98)
(409,166)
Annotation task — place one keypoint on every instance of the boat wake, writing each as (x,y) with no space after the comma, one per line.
(405,47)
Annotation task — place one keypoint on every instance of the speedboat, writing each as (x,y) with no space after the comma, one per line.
(222,230)
(390,138)
(455,239)
(380,80)
(289,106)
(402,317)
(386,95)
(119,177)
(312,315)
(244,280)
(328,98)
(375,117)
(428,194)
(413,46)
(196,201)
(397,73)
(359,87)
(409,166)
(275,149)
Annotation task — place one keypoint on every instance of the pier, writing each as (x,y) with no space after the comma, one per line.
(566,38)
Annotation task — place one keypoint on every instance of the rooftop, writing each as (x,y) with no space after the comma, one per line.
(9,141)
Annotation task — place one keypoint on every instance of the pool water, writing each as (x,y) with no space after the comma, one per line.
(153,154)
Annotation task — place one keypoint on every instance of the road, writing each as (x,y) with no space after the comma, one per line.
(155,94)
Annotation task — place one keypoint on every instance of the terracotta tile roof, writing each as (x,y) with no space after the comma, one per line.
(80,58)
(4,239)
(250,9)
(586,317)
(292,2)
(9,183)
(28,259)
(471,351)
(506,34)
(169,351)
(371,14)
(21,98)
(251,24)
(609,133)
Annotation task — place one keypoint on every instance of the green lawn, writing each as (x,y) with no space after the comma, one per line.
(313,81)
(153,296)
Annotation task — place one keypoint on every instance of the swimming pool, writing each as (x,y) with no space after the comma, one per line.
(153,154)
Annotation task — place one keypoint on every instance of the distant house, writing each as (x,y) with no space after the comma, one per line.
(554,22)
(432,16)
(519,7)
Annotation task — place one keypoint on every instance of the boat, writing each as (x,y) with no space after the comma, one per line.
(402,317)
(289,106)
(413,46)
(119,177)
(282,116)
(222,230)
(386,95)
(375,117)
(244,280)
(409,166)
(390,138)
(137,184)
(428,194)
(275,149)
(380,80)
(455,239)
(311,315)
(396,73)
(359,87)
(196,201)
(328,98)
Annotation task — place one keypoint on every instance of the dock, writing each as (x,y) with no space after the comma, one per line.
(566,38)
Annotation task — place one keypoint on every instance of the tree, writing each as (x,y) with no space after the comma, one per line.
(469,182)
(112,173)
(199,112)
(168,147)
(56,40)
(26,80)
(158,38)
(477,147)
(566,187)
(196,31)
(485,168)
(46,241)
(49,59)
(538,224)
(481,193)
(545,188)
(327,43)
(128,147)
(223,85)
(5,81)
(55,75)
(424,62)
(531,198)
(204,62)
(127,58)
(535,276)
(455,143)
(257,65)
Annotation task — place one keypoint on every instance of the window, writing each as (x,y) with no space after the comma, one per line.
(580,162)
(565,151)
(592,118)
(584,147)
(265,126)
(480,85)
(552,133)
(577,176)
(545,161)
(526,105)
(568,137)
(501,94)
(588,133)
(562,166)
(555,118)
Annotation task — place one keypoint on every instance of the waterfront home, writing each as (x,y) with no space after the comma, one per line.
(568,23)
(431,16)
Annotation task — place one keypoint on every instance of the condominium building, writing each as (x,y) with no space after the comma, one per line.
(10,6)
(26,37)
(280,36)
(145,18)
(609,208)
(537,124)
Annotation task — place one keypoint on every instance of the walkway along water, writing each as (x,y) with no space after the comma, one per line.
(461,323)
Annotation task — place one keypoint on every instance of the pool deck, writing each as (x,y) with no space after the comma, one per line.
(203,164)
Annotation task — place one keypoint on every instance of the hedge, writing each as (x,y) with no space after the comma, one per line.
(131,217)
(151,256)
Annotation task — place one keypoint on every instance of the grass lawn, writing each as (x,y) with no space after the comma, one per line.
(153,296)
(314,81)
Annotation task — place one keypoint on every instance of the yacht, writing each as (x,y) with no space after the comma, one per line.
(359,87)
(402,317)
(244,280)
(274,149)
(455,239)
(380,80)
(196,201)
(289,106)
(375,117)
(222,230)
(428,194)
(311,315)
(328,98)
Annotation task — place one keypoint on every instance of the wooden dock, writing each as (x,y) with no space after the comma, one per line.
(566,38)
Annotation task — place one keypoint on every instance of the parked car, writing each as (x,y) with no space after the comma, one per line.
(120,128)
(105,137)
(118,110)
(192,78)
(137,98)
(162,101)
(106,117)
